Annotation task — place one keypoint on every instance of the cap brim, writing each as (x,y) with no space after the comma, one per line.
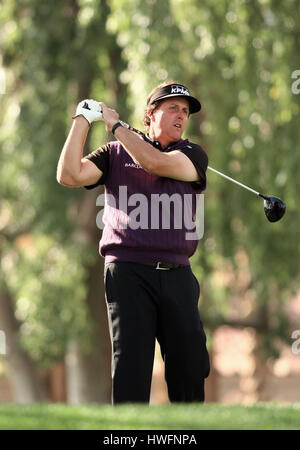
(195,105)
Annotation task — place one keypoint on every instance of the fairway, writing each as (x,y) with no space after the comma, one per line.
(262,416)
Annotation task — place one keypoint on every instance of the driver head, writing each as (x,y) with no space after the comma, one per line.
(274,208)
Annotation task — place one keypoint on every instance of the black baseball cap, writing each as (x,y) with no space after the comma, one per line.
(176,90)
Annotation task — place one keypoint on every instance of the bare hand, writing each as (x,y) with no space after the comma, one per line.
(109,116)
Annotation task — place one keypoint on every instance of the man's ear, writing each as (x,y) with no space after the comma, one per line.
(150,114)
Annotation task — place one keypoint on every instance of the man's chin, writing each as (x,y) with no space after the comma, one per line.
(175,136)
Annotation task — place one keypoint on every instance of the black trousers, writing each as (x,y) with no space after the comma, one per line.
(144,303)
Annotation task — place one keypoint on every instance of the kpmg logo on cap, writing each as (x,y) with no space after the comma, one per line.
(179,90)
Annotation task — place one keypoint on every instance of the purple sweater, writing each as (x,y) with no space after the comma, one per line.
(141,224)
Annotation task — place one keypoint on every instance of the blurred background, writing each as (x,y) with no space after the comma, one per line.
(240,58)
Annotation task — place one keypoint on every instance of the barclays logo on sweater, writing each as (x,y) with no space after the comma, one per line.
(135,166)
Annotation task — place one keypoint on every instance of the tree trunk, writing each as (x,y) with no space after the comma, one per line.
(88,375)
(88,372)
(25,383)
(212,382)
(261,372)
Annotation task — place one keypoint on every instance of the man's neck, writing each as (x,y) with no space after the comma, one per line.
(164,142)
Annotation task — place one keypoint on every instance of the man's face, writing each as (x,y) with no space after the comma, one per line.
(169,119)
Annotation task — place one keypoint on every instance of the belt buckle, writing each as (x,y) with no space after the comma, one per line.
(161,268)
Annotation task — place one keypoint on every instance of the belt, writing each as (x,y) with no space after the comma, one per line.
(164,266)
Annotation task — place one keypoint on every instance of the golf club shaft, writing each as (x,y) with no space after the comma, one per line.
(234,181)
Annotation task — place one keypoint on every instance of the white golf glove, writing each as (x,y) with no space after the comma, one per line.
(89,109)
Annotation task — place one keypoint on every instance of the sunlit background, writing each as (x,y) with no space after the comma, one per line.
(239,58)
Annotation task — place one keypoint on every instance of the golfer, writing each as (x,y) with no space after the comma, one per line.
(152,183)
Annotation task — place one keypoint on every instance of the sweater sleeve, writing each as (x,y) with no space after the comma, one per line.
(100,158)
(200,160)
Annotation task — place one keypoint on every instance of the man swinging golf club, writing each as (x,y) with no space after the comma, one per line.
(151,292)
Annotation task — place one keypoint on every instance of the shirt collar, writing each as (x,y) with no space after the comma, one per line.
(158,145)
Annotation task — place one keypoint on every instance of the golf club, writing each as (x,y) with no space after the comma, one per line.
(274,207)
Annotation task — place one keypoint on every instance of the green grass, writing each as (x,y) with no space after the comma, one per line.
(262,416)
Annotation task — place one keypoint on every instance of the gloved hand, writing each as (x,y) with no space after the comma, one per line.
(89,109)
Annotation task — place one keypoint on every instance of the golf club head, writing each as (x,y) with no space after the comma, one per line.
(274,208)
